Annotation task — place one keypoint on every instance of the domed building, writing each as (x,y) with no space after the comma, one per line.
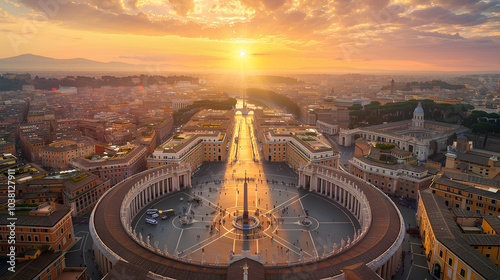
(418,136)
(418,117)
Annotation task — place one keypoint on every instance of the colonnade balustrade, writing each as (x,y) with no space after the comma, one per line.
(153,185)
(336,186)
(343,189)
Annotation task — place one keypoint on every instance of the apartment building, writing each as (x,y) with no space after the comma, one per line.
(203,138)
(468,192)
(283,139)
(463,157)
(49,224)
(396,179)
(58,155)
(42,264)
(80,191)
(117,165)
(459,244)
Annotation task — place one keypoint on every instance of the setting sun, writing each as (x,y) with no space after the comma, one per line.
(242,53)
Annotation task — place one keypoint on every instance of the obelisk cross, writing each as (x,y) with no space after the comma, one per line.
(245,272)
(245,200)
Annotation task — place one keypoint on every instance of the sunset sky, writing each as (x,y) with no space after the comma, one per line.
(310,35)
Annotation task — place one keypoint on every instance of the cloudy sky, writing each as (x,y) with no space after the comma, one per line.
(296,35)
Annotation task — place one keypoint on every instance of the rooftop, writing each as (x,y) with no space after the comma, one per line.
(28,220)
(179,141)
(31,268)
(478,190)
(449,234)
(117,159)
(398,166)
(308,137)
(476,157)
(79,181)
(65,145)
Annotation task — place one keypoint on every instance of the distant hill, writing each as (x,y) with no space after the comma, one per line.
(427,85)
(30,62)
(266,79)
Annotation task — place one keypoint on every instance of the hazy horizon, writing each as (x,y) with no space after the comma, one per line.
(276,36)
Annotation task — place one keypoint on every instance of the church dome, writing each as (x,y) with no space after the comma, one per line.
(419,110)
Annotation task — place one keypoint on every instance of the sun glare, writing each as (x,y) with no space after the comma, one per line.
(242,53)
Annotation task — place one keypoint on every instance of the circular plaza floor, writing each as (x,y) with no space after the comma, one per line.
(216,198)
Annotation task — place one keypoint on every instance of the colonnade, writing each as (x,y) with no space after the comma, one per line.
(339,187)
(143,188)
(333,185)
(157,183)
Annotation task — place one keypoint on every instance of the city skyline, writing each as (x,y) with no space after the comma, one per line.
(305,36)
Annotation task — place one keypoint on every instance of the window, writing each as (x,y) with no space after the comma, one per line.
(440,253)
(450,261)
(46,239)
(462,272)
(488,255)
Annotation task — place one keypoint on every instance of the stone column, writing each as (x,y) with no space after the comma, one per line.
(175,182)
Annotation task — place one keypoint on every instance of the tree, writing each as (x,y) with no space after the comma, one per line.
(356,113)
(384,146)
(274,97)
(355,107)
(483,127)
(356,136)
(373,119)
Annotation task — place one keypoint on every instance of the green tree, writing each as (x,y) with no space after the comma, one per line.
(355,107)
(483,127)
